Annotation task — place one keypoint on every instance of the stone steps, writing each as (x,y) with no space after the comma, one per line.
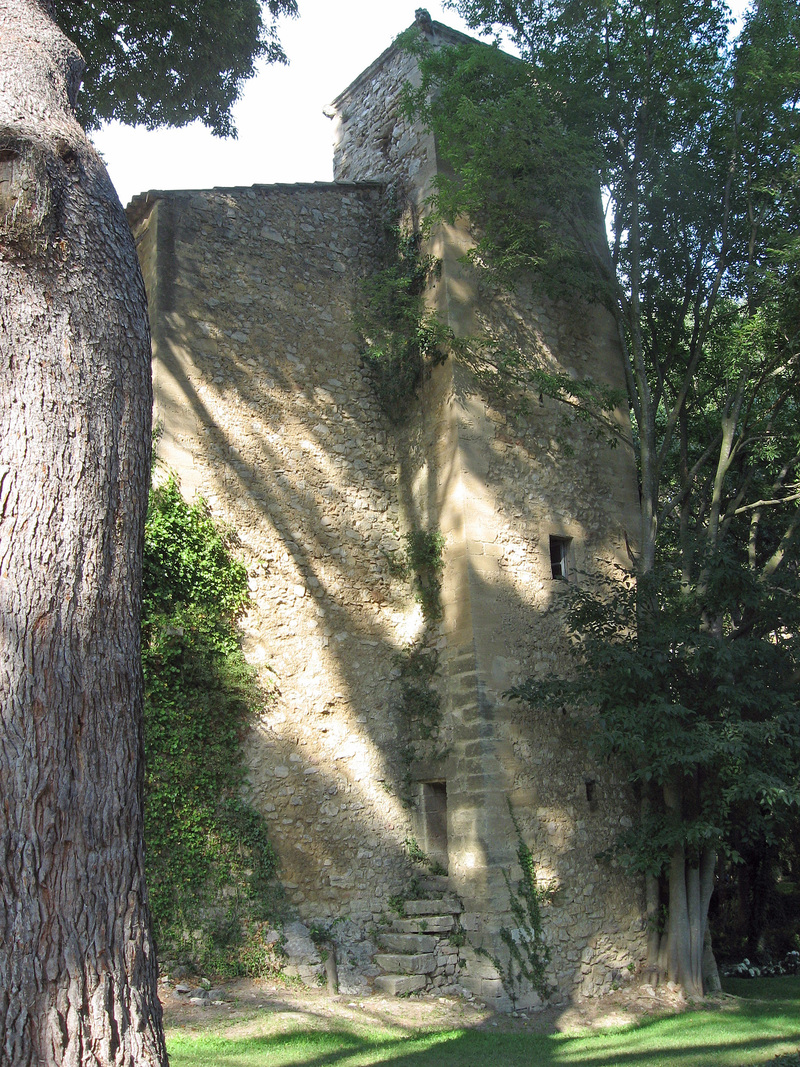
(449,906)
(403,963)
(432,924)
(416,944)
(410,943)
(395,985)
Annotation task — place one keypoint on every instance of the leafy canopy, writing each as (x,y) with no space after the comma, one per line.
(695,144)
(683,707)
(160,64)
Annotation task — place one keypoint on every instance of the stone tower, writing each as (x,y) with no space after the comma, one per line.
(269,412)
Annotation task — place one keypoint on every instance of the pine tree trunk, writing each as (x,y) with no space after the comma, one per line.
(77,967)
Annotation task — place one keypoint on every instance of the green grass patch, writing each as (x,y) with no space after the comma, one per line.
(758,1028)
(309,1048)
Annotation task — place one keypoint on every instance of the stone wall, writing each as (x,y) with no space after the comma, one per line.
(501,486)
(268,411)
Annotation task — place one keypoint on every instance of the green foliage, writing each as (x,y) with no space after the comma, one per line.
(400,337)
(756,911)
(420,702)
(210,866)
(422,558)
(425,556)
(709,716)
(528,955)
(169,64)
(397,904)
(417,855)
(512,159)
(322,933)
(187,559)
(414,852)
(695,146)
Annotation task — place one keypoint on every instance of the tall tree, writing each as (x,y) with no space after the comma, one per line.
(77,964)
(170,64)
(695,147)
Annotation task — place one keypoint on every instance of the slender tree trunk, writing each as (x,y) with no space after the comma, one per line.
(77,966)
(687,914)
(690,890)
(679,940)
(711,979)
(689,952)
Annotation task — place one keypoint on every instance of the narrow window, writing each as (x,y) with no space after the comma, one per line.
(434,826)
(559,557)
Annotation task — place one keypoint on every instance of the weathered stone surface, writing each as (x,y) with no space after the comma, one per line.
(448,906)
(411,943)
(420,963)
(270,413)
(398,984)
(431,924)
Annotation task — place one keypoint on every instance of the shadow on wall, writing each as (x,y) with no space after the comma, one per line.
(269,415)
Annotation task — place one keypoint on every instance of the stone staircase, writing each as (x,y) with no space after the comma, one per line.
(421,953)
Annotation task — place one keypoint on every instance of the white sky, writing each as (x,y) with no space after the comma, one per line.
(283,134)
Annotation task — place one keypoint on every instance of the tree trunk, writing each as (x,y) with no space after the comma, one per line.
(690,891)
(711,979)
(679,940)
(78,971)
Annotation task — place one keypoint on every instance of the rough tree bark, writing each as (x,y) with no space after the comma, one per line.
(77,966)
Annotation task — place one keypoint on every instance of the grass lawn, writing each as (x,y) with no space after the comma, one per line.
(762,1025)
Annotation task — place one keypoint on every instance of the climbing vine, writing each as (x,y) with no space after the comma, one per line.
(210,866)
(528,955)
(425,556)
(416,666)
(399,336)
(420,703)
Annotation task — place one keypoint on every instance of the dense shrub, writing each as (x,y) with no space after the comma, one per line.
(210,867)
(790,964)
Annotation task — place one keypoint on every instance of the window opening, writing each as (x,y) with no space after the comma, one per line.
(434,821)
(559,557)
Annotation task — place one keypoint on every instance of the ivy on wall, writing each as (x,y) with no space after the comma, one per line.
(399,336)
(416,666)
(425,556)
(527,952)
(210,866)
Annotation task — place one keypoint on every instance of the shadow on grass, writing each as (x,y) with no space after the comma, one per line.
(735,1034)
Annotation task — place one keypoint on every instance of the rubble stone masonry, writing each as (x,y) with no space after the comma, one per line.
(269,412)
